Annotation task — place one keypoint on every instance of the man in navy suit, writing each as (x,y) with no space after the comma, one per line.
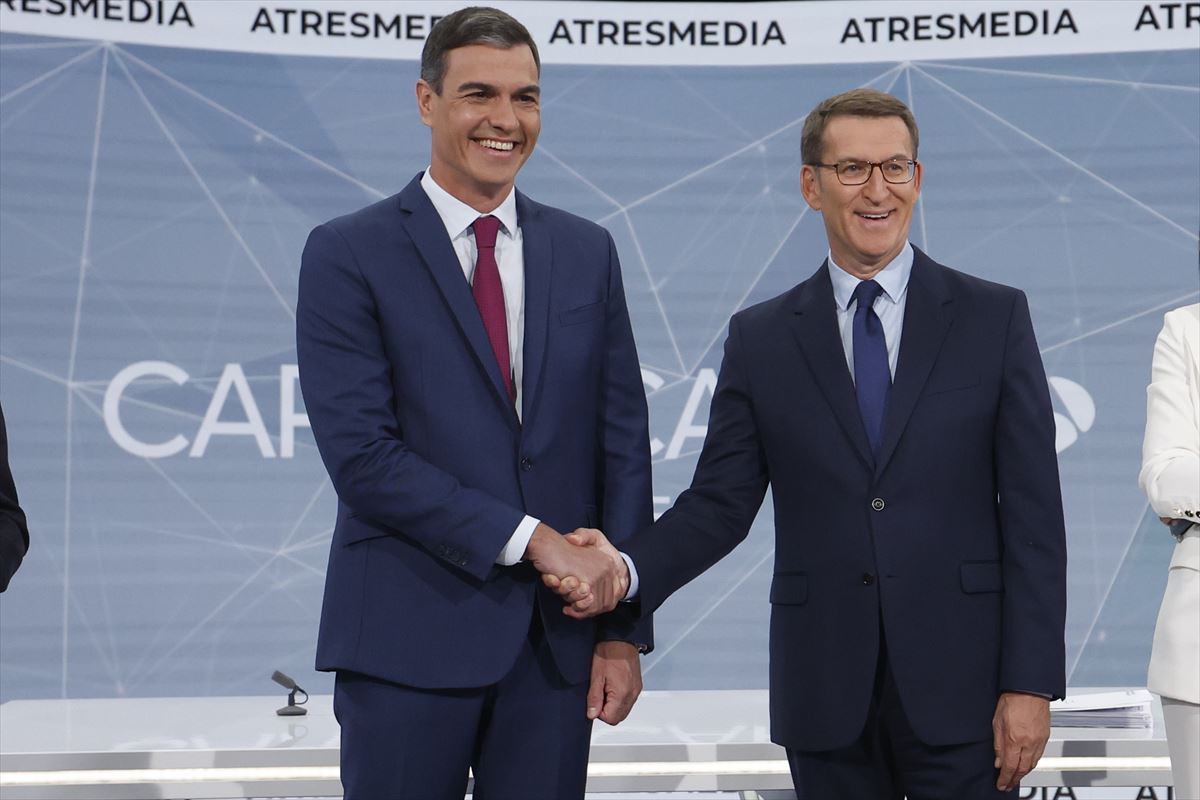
(901,412)
(469,371)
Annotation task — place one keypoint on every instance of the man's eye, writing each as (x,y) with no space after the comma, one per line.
(895,168)
(852,168)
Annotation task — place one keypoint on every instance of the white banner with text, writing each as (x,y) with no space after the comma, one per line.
(658,34)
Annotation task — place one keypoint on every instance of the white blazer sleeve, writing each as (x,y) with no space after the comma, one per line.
(1170,473)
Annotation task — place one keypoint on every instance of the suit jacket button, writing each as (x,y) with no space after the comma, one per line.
(868,579)
(878,504)
(526,465)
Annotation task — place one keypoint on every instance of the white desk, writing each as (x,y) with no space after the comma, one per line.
(235,747)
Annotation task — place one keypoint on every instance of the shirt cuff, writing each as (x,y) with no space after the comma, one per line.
(631,593)
(514,551)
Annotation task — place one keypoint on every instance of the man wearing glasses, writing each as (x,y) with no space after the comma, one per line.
(901,412)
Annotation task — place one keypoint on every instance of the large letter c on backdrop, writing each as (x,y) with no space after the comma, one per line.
(112,409)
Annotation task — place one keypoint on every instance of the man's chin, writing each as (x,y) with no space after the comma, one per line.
(881,255)
(491,184)
(497,173)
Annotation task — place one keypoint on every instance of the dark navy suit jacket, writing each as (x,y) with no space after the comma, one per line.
(952,538)
(14,531)
(432,468)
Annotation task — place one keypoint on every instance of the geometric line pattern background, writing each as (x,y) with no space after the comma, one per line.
(155,201)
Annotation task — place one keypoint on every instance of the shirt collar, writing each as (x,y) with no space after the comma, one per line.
(893,278)
(457,216)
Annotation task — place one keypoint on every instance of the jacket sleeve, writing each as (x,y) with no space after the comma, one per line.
(1170,473)
(1033,650)
(345,377)
(715,513)
(626,491)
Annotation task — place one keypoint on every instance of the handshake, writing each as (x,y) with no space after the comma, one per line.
(583,568)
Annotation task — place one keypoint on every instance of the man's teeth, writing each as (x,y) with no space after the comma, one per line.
(495,145)
(873,216)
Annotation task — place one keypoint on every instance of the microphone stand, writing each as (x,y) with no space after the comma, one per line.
(293,709)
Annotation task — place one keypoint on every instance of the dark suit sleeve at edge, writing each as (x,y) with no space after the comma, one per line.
(715,513)
(14,530)
(626,501)
(1031,520)
(345,376)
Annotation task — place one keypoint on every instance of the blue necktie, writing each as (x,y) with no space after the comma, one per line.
(872,379)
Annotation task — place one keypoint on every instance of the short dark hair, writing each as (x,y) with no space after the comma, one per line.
(854,103)
(467,26)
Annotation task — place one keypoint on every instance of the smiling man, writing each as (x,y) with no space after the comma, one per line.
(900,411)
(469,371)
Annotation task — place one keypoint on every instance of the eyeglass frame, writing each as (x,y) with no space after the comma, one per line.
(911,162)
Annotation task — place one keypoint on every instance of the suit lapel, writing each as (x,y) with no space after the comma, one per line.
(927,320)
(815,327)
(427,231)
(539,261)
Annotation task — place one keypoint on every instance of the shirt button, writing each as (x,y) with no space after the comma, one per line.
(526,465)
(878,504)
(868,579)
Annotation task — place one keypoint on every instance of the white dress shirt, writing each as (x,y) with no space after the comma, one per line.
(889,306)
(458,217)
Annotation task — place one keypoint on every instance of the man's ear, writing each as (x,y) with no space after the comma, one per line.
(426,97)
(810,186)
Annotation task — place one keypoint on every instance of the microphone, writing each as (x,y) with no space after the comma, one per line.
(292,709)
(284,681)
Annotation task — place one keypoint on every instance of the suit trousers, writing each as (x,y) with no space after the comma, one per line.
(889,762)
(524,738)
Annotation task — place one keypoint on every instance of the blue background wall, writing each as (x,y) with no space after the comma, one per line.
(155,201)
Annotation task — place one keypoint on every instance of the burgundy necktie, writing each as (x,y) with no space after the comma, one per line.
(489,295)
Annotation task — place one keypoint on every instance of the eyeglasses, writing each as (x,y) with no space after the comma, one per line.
(856,173)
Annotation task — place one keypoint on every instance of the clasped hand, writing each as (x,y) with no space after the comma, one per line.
(582,567)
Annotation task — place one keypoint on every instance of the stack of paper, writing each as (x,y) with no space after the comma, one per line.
(1126,708)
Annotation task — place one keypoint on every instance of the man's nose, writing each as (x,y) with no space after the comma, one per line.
(876,187)
(502,117)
